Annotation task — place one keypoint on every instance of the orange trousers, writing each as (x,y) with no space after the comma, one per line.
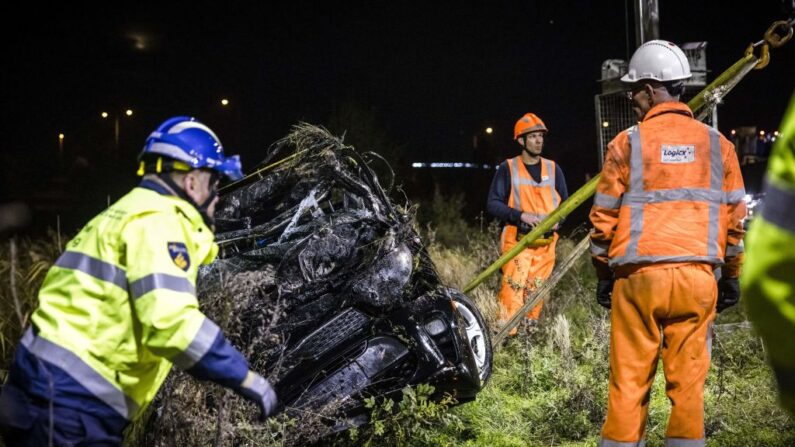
(520,276)
(672,305)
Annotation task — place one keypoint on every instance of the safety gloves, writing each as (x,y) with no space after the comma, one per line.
(728,293)
(604,292)
(258,390)
(604,286)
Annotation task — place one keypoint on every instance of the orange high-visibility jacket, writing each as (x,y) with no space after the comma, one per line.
(529,196)
(671,191)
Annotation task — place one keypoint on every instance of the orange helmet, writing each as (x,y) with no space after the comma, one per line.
(528,123)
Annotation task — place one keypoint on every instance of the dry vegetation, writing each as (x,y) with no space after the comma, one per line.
(548,388)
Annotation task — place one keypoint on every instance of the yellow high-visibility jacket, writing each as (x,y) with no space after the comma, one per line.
(118,308)
(768,277)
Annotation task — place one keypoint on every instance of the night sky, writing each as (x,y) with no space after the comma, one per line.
(431,75)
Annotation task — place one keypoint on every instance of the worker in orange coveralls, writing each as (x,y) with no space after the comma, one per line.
(667,211)
(524,191)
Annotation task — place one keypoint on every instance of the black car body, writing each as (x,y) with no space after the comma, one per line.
(361,310)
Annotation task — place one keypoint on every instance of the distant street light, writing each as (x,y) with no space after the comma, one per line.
(60,146)
(224,102)
(116,125)
(489,130)
(605,124)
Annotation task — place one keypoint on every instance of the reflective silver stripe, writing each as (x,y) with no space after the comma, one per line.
(635,160)
(673,195)
(733,196)
(551,176)
(517,180)
(635,187)
(610,443)
(531,182)
(537,215)
(637,198)
(686,194)
(517,199)
(89,265)
(256,383)
(607,201)
(82,373)
(635,229)
(779,207)
(681,442)
(141,287)
(715,184)
(734,250)
(621,260)
(599,248)
(201,343)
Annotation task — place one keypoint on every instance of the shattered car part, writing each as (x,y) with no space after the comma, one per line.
(326,287)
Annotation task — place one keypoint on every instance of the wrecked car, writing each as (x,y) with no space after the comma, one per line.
(325,285)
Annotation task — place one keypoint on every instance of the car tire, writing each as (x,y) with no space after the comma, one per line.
(477,333)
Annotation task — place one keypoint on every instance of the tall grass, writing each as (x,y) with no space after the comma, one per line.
(23,264)
(549,386)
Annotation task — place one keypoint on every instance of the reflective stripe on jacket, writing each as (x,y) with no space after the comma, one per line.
(671,191)
(529,196)
(119,305)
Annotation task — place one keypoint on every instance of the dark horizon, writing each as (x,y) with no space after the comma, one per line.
(430,77)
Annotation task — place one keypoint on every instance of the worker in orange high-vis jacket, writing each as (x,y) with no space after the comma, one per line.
(667,211)
(524,191)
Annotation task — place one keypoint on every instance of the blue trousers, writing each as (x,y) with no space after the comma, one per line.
(26,422)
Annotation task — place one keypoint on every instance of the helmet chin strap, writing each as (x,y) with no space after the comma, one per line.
(202,209)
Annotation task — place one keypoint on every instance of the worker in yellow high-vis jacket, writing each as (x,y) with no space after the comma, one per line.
(119,307)
(768,278)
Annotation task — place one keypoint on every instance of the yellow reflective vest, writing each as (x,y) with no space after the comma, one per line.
(119,305)
(768,277)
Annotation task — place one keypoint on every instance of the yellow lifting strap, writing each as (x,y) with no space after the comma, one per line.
(258,172)
(710,96)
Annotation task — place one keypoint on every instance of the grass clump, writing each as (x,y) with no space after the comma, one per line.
(549,386)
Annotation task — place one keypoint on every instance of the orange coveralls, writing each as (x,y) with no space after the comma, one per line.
(668,209)
(532,265)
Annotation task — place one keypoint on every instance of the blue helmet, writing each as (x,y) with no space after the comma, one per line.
(186,140)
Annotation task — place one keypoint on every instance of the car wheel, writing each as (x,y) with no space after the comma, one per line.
(477,335)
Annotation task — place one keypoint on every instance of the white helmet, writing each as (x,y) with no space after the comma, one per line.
(657,60)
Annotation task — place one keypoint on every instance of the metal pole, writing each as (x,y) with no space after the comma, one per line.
(116,134)
(647,21)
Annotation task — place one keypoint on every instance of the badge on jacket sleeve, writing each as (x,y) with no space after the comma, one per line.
(179,254)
